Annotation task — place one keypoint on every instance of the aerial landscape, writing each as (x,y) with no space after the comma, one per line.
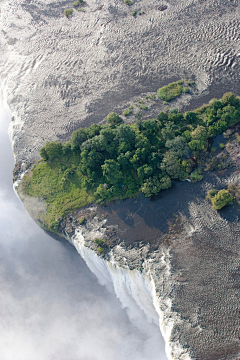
(124,122)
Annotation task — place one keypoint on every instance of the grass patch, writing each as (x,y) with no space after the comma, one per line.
(143,107)
(170,91)
(62,195)
(127,112)
(68,12)
(77,3)
(81,220)
(100,249)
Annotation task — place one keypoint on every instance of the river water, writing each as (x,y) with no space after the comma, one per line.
(51,305)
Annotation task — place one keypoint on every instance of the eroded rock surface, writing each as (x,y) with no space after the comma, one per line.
(61,73)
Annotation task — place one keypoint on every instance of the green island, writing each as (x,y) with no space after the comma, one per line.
(103,163)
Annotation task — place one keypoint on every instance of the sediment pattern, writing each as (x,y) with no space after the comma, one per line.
(61,73)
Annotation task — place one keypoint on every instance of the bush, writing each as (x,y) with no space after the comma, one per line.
(196,175)
(211,193)
(81,220)
(81,9)
(78,2)
(100,249)
(221,199)
(170,91)
(113,119)
(143,107)
(221,146)
(173,110)
(134,13)
(68,12)
(127,112)
(128,2)
(185,90)
(100,242)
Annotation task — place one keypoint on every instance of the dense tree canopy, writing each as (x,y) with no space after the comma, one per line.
(118,160)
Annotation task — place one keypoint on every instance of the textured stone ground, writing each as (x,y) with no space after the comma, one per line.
(58,74)
(61,73)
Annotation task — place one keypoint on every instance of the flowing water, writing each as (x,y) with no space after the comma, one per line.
(51,305)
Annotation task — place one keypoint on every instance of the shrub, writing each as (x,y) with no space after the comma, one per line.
(100,242)
(170,91)
(78,2)
(128,2)
(211,193)
(81,9)
(81,220)
(221,145)
(173,110)
(113,119)
(143,107)
(100,249)
(127,112)
(196,175)
(68,12)
(185,90)
(12,41)
(134,13)
(221,199)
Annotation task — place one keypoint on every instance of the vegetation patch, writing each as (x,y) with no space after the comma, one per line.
(77,3)
(68,12)
(128,111)
(170,91)
(113,161)
(143,107)
(128,2)
(220,198)
(81,220)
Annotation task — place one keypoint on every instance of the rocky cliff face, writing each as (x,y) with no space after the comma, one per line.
(186,274)
(176,257)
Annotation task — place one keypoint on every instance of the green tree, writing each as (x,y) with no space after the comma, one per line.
(178,146)
(102,192)
(111,170)
(113,119)
(52,150)
(155,184)
(221,199)
(43,153)
(171,165)
(78,137)
(190,117)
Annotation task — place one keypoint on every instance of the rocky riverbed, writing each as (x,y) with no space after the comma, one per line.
(59,73)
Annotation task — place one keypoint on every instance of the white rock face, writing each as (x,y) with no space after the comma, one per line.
(133,287)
